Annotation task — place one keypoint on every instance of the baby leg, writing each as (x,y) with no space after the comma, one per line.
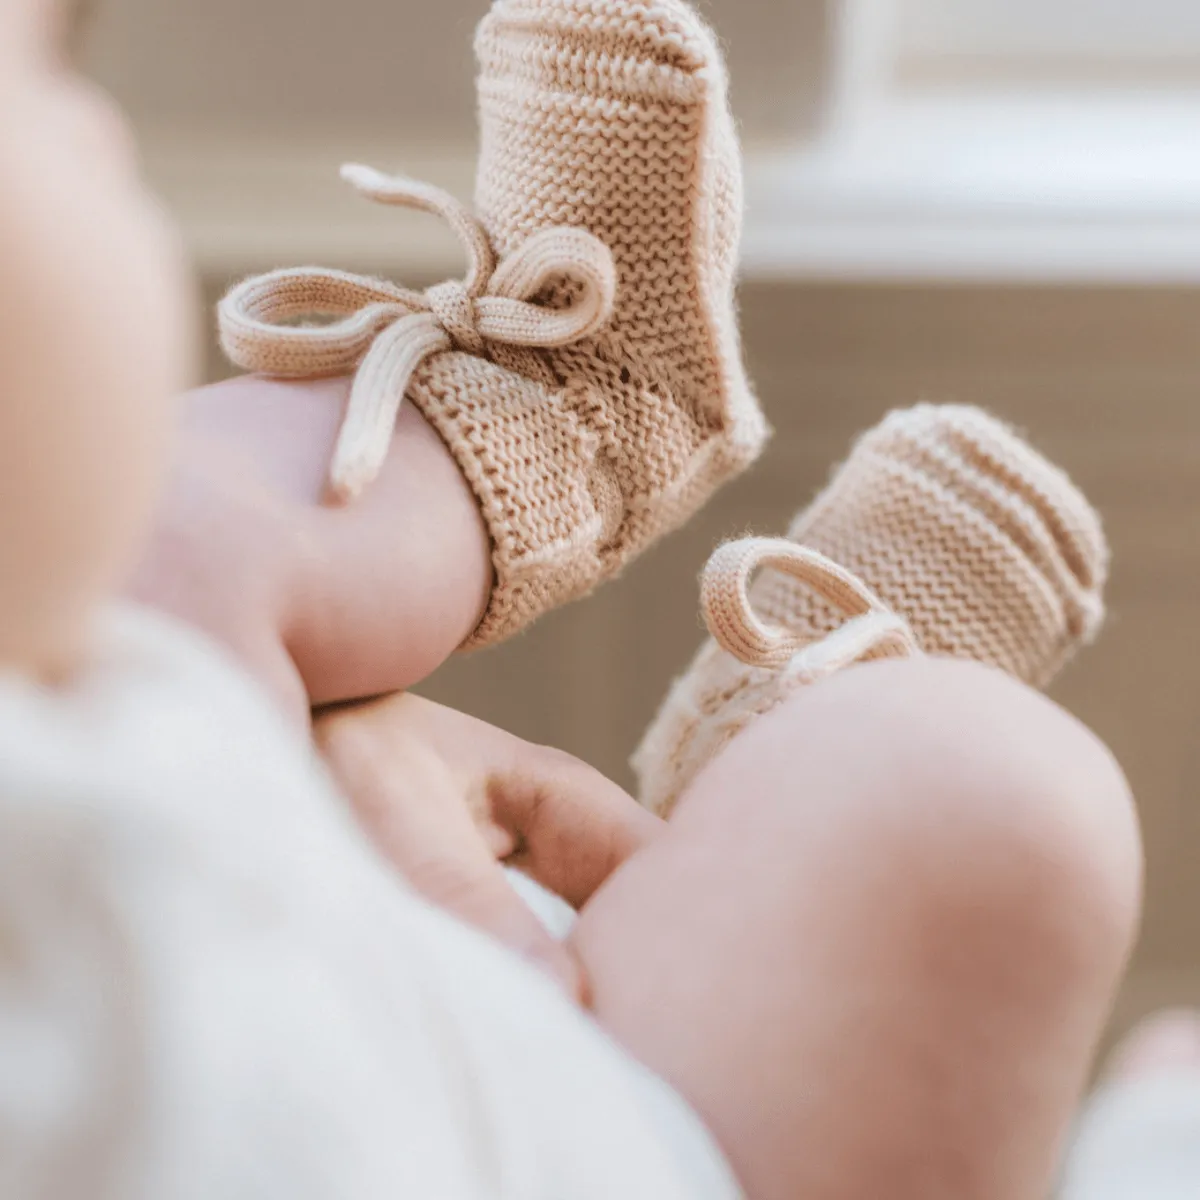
(879,943)
(317,601)
(584,380)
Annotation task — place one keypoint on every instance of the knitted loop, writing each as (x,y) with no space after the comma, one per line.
(384,333)
(870,631)
(454,308)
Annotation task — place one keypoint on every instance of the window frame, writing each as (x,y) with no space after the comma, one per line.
(979,179)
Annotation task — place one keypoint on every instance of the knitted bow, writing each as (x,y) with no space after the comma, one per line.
(386,332)
(871,630)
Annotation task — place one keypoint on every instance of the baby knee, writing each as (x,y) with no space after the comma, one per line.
(1017,829)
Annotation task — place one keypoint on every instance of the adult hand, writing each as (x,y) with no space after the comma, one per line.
(451,801)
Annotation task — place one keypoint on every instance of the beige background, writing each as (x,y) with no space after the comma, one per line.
(1104,380)
(401,64)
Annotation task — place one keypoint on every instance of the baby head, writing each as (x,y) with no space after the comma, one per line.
(95,340)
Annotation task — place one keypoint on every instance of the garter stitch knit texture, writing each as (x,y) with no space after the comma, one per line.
(949,520)
(608,118)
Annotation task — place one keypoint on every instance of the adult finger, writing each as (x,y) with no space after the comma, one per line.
(414,810)
(573,827)
(568,825)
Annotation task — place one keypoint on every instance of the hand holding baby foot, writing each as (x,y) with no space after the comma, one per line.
(450,801)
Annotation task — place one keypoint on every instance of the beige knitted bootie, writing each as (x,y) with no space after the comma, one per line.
(587,373)
(943,532)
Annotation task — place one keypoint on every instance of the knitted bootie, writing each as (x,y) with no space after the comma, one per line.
(587,373)
(943,533)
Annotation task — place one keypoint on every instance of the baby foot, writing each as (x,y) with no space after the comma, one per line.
(1166,1042)
(587,373)
(943,533)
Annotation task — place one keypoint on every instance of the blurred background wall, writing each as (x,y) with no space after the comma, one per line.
(879,276)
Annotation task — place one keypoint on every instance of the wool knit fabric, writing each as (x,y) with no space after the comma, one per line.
(950,521)
(608,118)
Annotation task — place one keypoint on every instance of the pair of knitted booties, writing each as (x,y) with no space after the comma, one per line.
(587,377)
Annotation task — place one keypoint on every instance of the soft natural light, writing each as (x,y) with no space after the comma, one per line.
(1014,138)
